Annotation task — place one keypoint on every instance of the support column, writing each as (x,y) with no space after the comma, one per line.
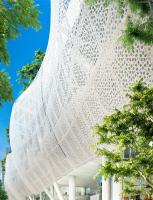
(32,197)
(49,195)
(106,185)
(52,190)
(106,189)
(72,187)
(41,198)
(60,196)
(117,189)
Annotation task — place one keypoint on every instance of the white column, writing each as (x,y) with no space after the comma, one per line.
(71,187)
(41,198)
(32,197)
(49,194)
(57,189)
(117,189)
(52,190)
(106,185)
(106,189)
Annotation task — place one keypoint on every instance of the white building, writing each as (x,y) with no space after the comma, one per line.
(85,75)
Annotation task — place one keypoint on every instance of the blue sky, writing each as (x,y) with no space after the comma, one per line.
(21,51)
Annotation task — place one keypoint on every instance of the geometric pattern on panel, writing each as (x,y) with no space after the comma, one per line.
(84,76)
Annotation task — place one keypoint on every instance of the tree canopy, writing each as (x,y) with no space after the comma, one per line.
(129,131)
(15,14)
(6,93)
(140,29)
(7,130)
(3,194)
(28,72)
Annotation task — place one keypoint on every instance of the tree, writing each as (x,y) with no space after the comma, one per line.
(28,72)
(135,30)
(129,132)
(3,194)
(3,162)
(6,93)
(7,132)
(15,14)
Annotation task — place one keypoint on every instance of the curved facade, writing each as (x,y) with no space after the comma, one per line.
(85,75)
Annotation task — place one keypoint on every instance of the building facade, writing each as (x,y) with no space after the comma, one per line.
(85,75)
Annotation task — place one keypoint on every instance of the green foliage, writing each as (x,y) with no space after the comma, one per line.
(135,30)
(28,72)
(129,134)
(90,2)
(5,88)
(7,130)
(3,194)
(15,14)
(3,161)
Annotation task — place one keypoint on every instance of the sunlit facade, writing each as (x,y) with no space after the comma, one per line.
(85,75)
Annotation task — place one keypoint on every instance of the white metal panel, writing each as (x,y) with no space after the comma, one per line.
(84,76)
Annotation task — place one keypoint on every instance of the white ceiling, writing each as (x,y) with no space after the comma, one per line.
(84,174)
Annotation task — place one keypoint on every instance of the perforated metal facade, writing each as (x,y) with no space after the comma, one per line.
(85,75)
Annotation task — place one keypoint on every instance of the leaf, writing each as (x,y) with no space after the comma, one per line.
(131,130)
